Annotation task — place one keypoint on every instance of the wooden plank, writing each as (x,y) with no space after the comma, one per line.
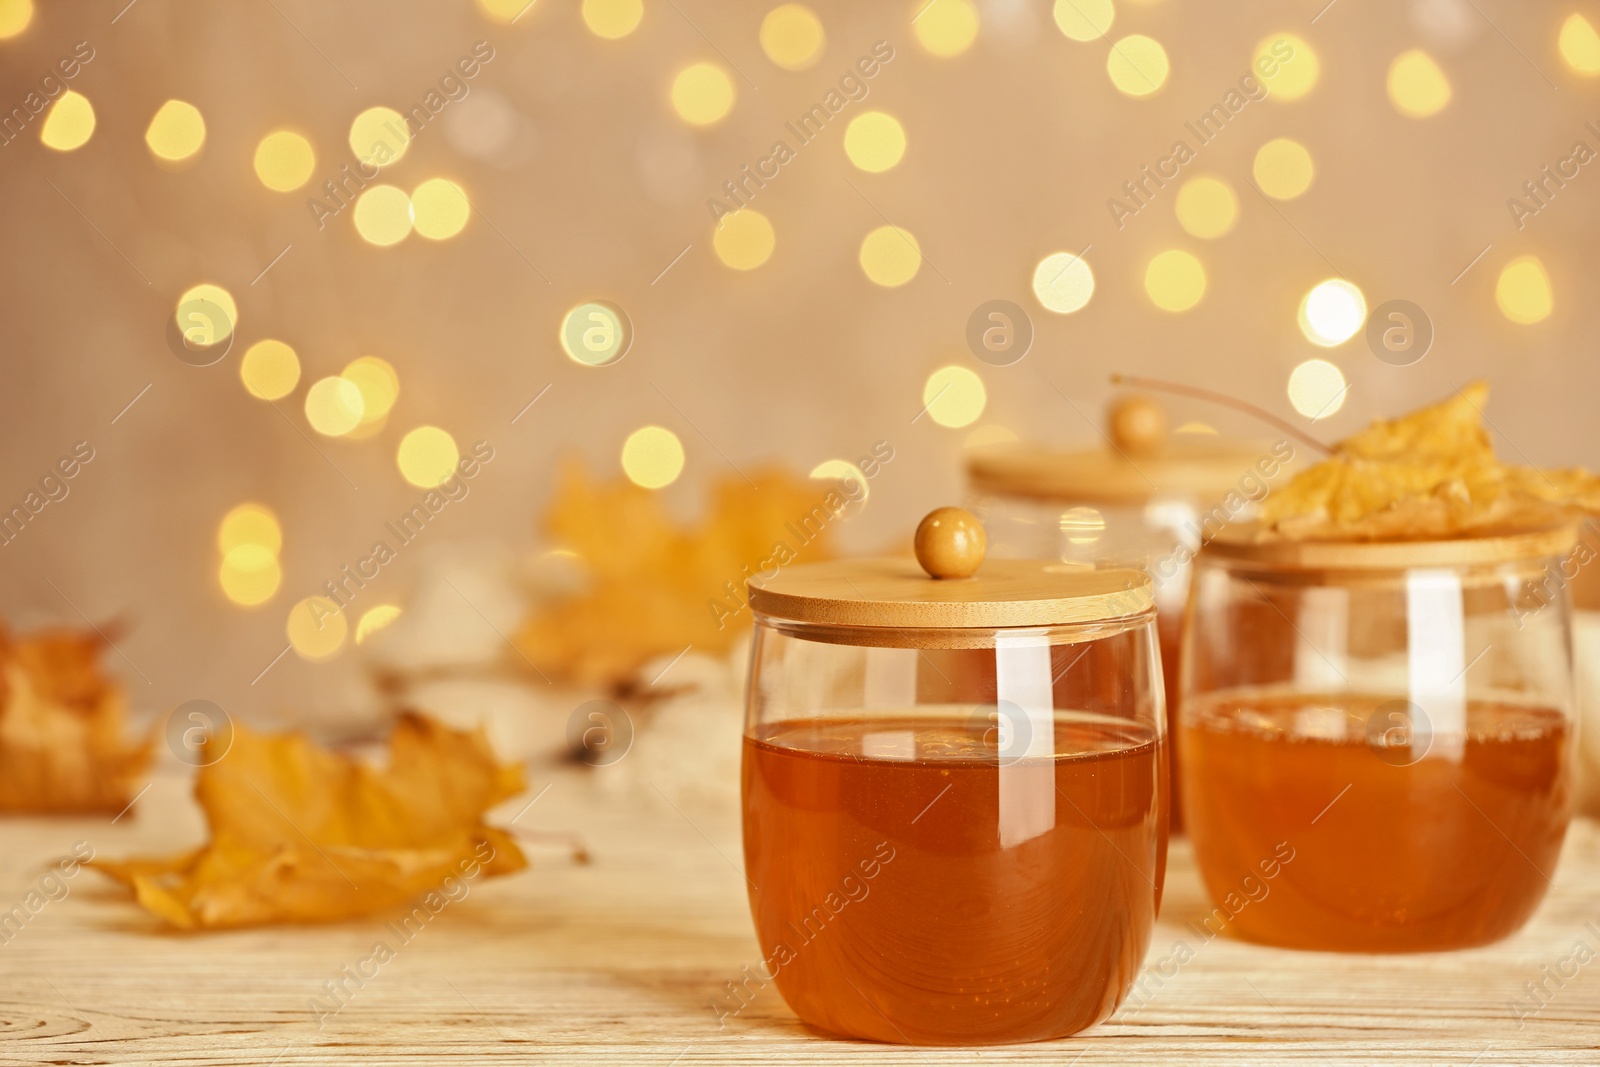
(623,961)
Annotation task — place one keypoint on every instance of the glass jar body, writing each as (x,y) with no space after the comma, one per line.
(958,843)
(1159,536)
(1375,760)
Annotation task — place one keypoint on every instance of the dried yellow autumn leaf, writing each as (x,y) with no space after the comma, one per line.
(300,834)
(1430,474)
(655,586)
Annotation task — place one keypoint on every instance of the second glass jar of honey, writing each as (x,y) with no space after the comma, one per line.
(955,809)
(1378,737)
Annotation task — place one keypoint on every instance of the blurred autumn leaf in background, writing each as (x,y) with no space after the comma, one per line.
(62,747)
(652,586)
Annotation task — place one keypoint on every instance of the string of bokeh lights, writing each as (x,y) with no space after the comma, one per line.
(356,403)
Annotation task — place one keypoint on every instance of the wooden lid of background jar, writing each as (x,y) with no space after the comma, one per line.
(1137,460)
(1245,542)
(954,587)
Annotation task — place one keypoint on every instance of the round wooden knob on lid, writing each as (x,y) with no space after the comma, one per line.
(1138,425)
(950,543)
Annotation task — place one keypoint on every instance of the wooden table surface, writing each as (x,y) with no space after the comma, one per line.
(621,961)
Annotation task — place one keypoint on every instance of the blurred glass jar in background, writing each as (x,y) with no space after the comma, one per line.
(1144,499)
(1580,571)
(1387,728)
(955,798)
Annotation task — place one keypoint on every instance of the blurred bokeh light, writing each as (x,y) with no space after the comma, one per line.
(427,456)
(69,123)
(702,94)
(1332,312)
(334,406)
(652,456)
(269,369)
(176,132)
(1523,291)
(792,36)
(284,161)
(1317,388)
(250,524)
(954,396)
(1175,280)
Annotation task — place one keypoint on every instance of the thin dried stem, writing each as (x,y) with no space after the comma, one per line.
(574,845)
(1227,401)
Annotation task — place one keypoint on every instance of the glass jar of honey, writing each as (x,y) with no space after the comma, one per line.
(1577,574)
(954,791)
(1378,737)
(1144,499)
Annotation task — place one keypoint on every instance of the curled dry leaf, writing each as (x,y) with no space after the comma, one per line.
(62,748)
(654,586)
(1427,475)
(300,834)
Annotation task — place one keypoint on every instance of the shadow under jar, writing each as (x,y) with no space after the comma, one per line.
(1378,738)
(954,794)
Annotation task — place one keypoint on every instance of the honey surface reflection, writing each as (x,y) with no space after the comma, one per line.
(1395,850)
(911,886)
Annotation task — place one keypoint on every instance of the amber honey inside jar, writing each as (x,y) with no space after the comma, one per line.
(955,829)
(1395,718)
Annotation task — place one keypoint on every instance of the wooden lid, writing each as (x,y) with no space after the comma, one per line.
(898,593)
(1198,465)
(1488,547)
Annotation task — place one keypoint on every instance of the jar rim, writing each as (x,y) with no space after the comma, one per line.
(1485,547)
(954,637)
(897,594)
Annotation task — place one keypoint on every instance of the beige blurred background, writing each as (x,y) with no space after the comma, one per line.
(586,186)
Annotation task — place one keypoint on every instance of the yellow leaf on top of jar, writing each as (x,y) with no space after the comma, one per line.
(300,834)
(653,586)
(1427,475)
(62,748)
